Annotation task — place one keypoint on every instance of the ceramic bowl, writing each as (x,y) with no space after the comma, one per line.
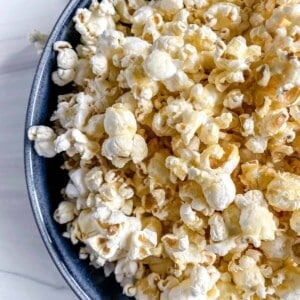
(45,178)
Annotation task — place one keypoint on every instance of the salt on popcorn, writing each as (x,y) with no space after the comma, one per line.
(182,146)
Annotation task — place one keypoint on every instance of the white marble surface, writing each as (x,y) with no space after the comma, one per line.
(26,270)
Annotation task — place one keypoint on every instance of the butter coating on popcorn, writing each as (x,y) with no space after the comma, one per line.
(181,139)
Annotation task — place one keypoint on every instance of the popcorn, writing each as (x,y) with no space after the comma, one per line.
(224,247)
(172,6)
(234,99)
(74,141)
(190,191)
(181,142)
(247,276)
(123,143)
(76,187)
(91,23)
(159,65)
(43,138)
(178,82)
(218,230)
(190,218)
(279,249)
(67,61)
(256,144)
(99,65)
(67,57)
(143,242)
(217,185)
(95,126)
(256,220)
(283,191)
(65,212)
(201,281)
(223,14)
(181,251)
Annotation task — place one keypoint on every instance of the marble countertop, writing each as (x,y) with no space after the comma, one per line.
(26,270)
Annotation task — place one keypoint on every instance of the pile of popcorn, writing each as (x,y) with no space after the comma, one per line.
(182,144)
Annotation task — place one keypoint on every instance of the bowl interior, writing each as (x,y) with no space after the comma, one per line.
(45,178)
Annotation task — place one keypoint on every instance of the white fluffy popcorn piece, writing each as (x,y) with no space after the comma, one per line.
(93,179)
(66,57)
(170,44)
(65,212)
(256,144)
(118,146)
(125,271)
(190,218)
(223,14)
(201,281)
(159,65)
(178,82)
(95,126)
(218,229)
(248,276)
(234,99)
(134,46)
(191,192)
(248,127)
(240,55)
(62,77)
(99,65)
(256,221)
(74,141)
(217,185)
(118,120)
(207,98)
(142,244)
(123,143)
(172,6)
(114,195)
(219,190)
(279,249)
(181,251)
(107,231)
(110,42)
(83,72)
(224,247)
(43,137)
(274,122)
(76,186)
(184,119)
(67,61)
(90,23)
(177,166)
(122,148)
(139,149)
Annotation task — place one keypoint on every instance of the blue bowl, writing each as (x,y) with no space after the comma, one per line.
(45,178)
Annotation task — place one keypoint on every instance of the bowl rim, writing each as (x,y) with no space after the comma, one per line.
(67,12)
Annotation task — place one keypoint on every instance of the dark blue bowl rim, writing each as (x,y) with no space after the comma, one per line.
(29,172)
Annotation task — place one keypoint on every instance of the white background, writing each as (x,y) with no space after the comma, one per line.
(26,270)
